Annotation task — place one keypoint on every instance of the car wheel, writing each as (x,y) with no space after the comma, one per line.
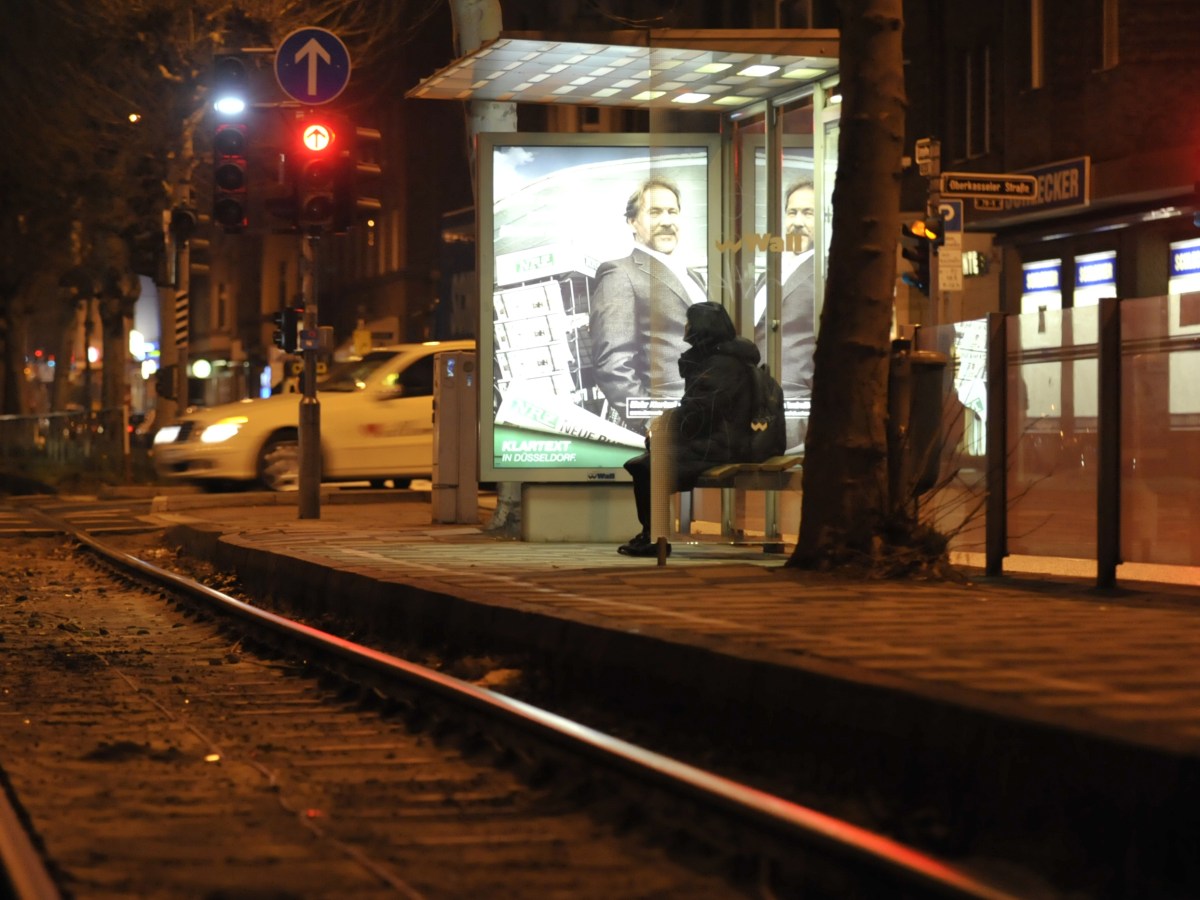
(279,464)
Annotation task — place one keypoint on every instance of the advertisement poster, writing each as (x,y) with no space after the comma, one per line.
(596,250)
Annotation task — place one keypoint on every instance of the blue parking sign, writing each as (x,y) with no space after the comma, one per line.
(312,65)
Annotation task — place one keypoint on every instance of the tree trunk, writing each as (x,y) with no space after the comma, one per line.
(16,346)
(845,501)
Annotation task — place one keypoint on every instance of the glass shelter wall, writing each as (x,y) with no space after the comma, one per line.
(1051,463)
(1051,448)
(1160,432)
(778,247)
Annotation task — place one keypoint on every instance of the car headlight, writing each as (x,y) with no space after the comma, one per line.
(222,430)
(167,434)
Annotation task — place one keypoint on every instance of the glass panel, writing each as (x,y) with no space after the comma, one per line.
(1160,430)
(796,273)
(955,505)
(1052,450)
(749,216)
(777,288)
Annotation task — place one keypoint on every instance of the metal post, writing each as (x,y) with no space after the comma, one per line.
(996,526)
(310,407)
(662,480)
(88,404)
(936,297)
(1108,472)
(773,122)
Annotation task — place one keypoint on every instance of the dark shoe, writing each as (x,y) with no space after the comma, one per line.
(641,545)
(636,543)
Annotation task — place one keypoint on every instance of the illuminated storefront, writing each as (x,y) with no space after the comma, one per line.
(1042,294)
(1183,319)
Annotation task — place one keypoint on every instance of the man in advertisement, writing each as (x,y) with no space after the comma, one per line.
(639,309)
(796,323)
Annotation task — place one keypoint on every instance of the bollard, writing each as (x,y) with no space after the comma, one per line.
(662,465)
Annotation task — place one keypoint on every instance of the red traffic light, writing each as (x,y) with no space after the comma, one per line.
(321,156)
(317,137)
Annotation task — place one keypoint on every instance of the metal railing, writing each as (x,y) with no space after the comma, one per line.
(71,439)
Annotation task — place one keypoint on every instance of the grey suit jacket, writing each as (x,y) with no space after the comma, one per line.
(638,312)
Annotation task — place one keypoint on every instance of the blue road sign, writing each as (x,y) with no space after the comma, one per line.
(312,65)
(952,215)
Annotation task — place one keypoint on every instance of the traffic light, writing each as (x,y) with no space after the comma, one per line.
(915,247)
(320,162)
(182,223)
(363,175)
(229,84)
(230,146)
(287,332)
(229,177)
(165,380)
(932,229)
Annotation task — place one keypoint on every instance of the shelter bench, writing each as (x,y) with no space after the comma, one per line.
(779,473)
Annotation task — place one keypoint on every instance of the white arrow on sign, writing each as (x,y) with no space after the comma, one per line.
(314,51)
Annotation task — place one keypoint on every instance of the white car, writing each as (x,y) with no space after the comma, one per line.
(376,420)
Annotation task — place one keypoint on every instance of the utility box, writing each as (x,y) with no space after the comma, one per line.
(455,437)
(915,396)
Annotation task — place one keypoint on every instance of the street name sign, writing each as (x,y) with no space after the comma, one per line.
(982,184)
(312,65)
(928,156)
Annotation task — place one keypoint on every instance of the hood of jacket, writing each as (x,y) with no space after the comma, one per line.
(708,324)
(742,349)
(710,331)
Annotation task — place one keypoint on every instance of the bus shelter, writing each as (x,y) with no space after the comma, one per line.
(742,128)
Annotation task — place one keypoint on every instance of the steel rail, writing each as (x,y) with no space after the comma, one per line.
(775,817)
(22,868)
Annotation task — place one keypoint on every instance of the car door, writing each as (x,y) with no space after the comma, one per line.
(389,430)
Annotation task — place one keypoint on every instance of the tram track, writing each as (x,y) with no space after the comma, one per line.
(366,708)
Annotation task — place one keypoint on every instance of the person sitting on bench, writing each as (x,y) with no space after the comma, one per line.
(711,425)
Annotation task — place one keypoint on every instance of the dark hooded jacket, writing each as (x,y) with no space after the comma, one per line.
(713,419)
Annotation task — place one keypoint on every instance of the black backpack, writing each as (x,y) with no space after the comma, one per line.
(768,435)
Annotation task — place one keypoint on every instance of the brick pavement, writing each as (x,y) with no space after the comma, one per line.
(1125,662)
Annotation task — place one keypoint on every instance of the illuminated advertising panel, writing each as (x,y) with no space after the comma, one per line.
(591,249)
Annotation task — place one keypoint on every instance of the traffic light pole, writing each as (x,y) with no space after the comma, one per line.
(310,407)
(928,155)
(935,288)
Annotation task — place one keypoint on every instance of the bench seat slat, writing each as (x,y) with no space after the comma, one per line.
(775,474)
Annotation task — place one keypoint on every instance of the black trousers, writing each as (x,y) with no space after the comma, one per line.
(639,468)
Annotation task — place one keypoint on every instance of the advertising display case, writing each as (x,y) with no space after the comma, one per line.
(571,396)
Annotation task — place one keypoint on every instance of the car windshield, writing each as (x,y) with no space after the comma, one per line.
(352,375)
